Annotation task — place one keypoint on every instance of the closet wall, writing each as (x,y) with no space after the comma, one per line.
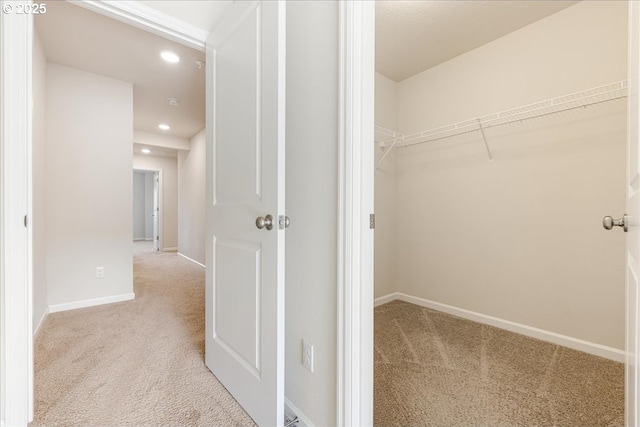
(385,192)
(520,238)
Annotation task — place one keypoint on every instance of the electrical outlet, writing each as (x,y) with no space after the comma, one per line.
(307,355)
(99,272)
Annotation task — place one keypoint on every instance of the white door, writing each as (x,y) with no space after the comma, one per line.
(633,212)
(245,181)
(156,211)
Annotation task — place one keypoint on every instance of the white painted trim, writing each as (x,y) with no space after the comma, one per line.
(16,305)
(172,249)
(529,331)
(149,19)
(290,408)
(139,239)
(355,203)
(192,260)
(41,322)
(160,205)
(55,308)
(385,299)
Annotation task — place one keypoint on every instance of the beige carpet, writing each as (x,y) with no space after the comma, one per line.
(433,369)
(136,363)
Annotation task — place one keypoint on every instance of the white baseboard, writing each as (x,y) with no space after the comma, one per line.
(385,299)
(290,408)
(169,249)
(90,302)
(41,322)
(139,239)
(541,334)
(192,260)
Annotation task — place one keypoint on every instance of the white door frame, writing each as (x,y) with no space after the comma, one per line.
(355,248)
(355,205)
(16,323)
(160,203)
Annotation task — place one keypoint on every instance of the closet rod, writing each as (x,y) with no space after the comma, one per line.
(547,107)
(386,133)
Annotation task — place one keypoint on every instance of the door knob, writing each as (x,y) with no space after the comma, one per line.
(266,222)
(608,222)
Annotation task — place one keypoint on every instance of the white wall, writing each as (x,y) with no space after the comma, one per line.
(311,202)
(521,238)
(386,109)
(168,198)
(40,305)
(139,210)
(157,140)
(191,195)
(89,128)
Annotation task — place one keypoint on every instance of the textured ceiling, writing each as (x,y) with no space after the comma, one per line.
(413,36)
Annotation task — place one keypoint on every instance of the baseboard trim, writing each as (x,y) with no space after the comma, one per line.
(304,421)
(41,322)
(90,302)
(139,239)
(385,299)
(530,331)
(192,260)
(169,249)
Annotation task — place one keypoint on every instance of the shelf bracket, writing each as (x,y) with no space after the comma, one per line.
(484,138)
(386,153)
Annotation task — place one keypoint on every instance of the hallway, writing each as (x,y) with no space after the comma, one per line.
(135,363)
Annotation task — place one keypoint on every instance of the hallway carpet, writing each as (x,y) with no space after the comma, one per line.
(136,363)
(434,369)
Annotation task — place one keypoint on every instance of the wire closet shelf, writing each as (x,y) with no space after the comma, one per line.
(583,99)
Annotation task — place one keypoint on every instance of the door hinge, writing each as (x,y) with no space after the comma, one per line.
(372,221)
(26,220)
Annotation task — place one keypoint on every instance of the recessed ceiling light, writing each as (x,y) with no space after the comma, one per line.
(145,150)
(169,56)
(164,126)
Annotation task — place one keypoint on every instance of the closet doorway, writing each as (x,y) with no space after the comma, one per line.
(501,134)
